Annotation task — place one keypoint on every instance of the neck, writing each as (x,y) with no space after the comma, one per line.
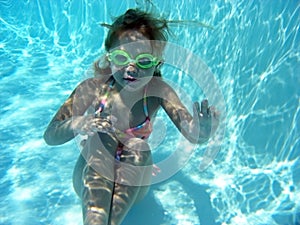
(128,94)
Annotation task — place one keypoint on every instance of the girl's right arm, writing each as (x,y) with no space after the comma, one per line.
(69,118)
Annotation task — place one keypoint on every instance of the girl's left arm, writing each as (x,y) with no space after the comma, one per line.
(197,128)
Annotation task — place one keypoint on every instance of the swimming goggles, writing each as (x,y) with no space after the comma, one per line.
(122,58)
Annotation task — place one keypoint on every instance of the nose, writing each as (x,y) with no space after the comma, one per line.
(131,65)
(131,70)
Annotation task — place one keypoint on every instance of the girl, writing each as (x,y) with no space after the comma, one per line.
(114,168)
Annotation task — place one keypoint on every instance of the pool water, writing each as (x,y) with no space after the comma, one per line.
(253,52)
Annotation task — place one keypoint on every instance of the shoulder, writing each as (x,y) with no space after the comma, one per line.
(94,81)
(162,90)
(158,86)
(92,85)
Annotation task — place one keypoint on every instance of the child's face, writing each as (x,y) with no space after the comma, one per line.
(131,69)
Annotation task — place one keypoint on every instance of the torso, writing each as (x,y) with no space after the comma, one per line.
(128,112)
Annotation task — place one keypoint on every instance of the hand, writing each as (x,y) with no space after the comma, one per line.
(207,117)
(204,123)
(90,125)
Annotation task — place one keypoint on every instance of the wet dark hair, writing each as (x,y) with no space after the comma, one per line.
(146,23)
(134,19)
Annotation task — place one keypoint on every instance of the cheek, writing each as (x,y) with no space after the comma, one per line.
(146,75)
(118,75)
(147,72)
(115,69)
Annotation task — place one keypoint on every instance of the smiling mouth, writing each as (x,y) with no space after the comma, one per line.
(129,78)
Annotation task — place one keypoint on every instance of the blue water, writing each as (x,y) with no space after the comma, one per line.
(253,53)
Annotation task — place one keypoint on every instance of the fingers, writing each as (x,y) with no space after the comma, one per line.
(206,113)
(196,108)
(214,112)
(90,125)
(101,125)
(203,111)
(204,108)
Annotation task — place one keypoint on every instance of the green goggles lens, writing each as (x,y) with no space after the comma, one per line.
(122,58)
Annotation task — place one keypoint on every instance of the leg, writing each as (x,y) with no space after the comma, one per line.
(96,197)
(108,188)
(93,179)
(132,178)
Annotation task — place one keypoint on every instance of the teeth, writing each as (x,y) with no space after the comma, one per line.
(129,78)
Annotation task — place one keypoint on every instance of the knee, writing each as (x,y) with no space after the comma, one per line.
(93,215)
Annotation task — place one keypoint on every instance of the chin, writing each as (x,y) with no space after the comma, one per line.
(134,85)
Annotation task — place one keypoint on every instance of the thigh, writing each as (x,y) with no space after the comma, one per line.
(135,160)
(132,175)
(93,179)
(97,153)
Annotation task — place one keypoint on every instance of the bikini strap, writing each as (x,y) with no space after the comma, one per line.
(104,99)
(145,102)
